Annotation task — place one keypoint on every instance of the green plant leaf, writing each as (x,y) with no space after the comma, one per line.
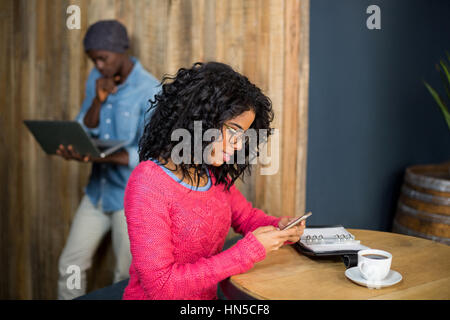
(446,78)
(440,103)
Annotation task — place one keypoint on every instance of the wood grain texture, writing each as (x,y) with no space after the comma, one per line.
(423,208)
(43,69)
(286,274)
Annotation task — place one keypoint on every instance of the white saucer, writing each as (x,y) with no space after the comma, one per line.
(392,278)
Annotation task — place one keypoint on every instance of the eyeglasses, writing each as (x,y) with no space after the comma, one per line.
(236,135)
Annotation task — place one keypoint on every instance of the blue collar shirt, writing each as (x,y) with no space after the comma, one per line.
(122,117)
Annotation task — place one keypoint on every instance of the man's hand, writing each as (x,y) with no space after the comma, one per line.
(105,86)
(69,153)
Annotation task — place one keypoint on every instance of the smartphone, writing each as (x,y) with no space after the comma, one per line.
(297,221)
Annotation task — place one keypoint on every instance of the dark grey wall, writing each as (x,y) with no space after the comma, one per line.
(370,116)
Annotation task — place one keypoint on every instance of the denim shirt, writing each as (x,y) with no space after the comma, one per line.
(122,117)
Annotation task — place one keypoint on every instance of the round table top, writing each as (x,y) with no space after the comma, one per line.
(286,274)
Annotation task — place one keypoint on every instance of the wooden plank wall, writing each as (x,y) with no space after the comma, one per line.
(42,74)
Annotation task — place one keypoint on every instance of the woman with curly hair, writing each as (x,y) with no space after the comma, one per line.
(179,211)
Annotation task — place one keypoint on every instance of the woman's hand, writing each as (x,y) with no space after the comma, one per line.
(272,238)
(285,221)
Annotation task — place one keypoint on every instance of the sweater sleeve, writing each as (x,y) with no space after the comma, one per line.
(149,228)
(245,218)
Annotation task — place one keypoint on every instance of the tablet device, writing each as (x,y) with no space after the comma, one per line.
(50,134)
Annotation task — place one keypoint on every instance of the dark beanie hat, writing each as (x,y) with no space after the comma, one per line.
(108,35)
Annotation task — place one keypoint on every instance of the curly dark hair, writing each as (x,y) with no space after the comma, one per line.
(212,93)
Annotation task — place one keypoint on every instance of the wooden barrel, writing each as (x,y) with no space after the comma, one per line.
(423,208)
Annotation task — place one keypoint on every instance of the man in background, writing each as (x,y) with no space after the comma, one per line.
(117,96)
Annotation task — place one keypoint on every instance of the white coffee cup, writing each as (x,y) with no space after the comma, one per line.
(373,264)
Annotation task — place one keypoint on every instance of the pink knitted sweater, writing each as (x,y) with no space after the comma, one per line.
(177,234)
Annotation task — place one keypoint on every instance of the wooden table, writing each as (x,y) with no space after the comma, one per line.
(286,274)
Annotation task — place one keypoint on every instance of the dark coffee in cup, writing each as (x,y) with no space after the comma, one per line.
(373,264)
(374,256)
